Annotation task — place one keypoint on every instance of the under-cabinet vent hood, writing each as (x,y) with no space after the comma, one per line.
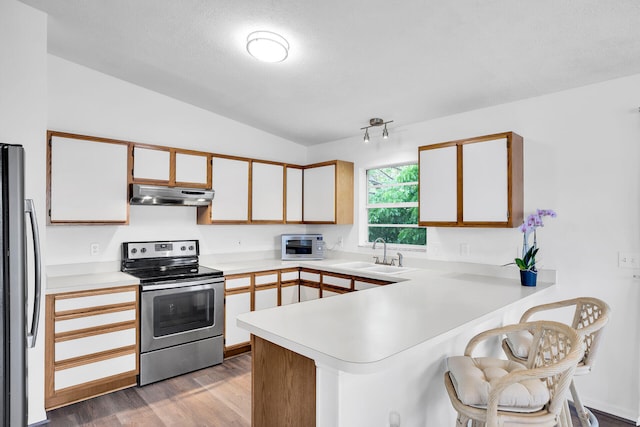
(142,194)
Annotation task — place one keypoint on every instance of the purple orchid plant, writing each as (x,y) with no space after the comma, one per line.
(529,226)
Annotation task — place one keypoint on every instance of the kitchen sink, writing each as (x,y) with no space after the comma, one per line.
(373,267)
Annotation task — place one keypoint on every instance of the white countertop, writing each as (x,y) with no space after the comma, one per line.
(359,332)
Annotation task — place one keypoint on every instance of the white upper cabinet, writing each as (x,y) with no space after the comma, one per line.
(151,164)
(438,185)
(475,182)
(319,193)
(87,180)
(294,194)
(230,181)
(328,193)
(192,170)
(267,192)
(173,167)
(484,181)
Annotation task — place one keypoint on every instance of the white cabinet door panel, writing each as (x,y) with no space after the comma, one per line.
(485,182)
(191,168)
(336,281)
(94,371)
(94,344)
(308,293)
(289,295)
(151,164)
(88,180)
(327,294)
(294,194)
(231,184)
(267,193)
(95,320)
(438,184)
(319,194)
(286,276)
(235,305)
(266,298)
(237,282)
(94,301)
(266,279)
(311,277)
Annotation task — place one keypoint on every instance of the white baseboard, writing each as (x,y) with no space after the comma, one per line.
(626,413)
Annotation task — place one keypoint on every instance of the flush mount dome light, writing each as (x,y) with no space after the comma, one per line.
(267,46)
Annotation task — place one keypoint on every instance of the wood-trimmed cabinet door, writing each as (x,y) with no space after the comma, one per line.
(87,180)
(91,344)
(151,164)
(475,182)
(267,192)
(231,183)
(192,169)
(173,167)
(238,289)
(328,193)
(293,184)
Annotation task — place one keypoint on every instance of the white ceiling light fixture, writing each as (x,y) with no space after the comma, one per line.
(267,46)
(374,123)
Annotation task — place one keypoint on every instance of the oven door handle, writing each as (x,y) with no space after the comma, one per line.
(172,284)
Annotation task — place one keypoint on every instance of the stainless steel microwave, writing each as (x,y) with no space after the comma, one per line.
(302,246)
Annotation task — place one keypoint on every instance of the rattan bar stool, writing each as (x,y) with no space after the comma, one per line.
(589,318)
(495,392)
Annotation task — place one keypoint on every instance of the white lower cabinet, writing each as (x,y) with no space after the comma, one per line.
(235,304)
(91,344)
(265,298)
(326,293)
(289,294)
(308,293)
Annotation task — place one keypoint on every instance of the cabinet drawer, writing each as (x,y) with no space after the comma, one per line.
(91,301)
(94,344)
(336,281)
(94,371)
(311,277)
(266,279)
(237,282)
(360,285)
(93,321)
(327,294)
(286,276)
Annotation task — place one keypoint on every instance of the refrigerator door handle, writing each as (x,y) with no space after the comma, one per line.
(30,209)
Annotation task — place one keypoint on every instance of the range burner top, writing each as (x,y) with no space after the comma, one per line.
(164,260)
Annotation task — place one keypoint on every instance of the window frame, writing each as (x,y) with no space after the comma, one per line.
(365,206)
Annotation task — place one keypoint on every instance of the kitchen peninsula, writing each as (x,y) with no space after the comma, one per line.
(376,356)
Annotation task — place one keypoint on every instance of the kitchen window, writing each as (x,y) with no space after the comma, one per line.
(392,205)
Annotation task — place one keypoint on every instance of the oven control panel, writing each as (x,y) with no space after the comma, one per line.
(165,249)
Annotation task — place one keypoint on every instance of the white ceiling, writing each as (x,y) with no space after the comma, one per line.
(350,60)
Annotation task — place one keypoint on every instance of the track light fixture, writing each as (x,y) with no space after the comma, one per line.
(375,122)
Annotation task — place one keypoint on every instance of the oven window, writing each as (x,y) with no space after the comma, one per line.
(181,312)
(300,247)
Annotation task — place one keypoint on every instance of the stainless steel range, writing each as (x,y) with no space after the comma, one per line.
(181,308)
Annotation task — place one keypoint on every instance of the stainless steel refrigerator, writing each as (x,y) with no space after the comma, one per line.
(13,296)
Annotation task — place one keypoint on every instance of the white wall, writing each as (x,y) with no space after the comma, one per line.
(87,102)
(23,120)
(582,156)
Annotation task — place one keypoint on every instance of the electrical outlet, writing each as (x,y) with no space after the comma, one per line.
(628,260)
(95,249)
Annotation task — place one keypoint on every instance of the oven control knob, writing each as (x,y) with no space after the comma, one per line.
(191,248)
(134,250)
(183,248)
(143,250)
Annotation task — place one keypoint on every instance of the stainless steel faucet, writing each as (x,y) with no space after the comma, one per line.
(384,253)
(399,259)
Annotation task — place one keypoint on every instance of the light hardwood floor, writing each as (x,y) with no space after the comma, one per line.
(216,396)
(219,396)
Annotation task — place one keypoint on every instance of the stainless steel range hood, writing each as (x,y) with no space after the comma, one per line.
(142,194)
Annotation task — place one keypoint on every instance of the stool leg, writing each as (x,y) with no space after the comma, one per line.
(565,415)
(583,415)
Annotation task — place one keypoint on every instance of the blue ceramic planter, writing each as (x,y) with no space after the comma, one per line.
(528,277)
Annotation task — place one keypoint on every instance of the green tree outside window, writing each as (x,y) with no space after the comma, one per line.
(392,205)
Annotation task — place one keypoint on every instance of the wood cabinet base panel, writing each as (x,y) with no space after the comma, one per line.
(283,386)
